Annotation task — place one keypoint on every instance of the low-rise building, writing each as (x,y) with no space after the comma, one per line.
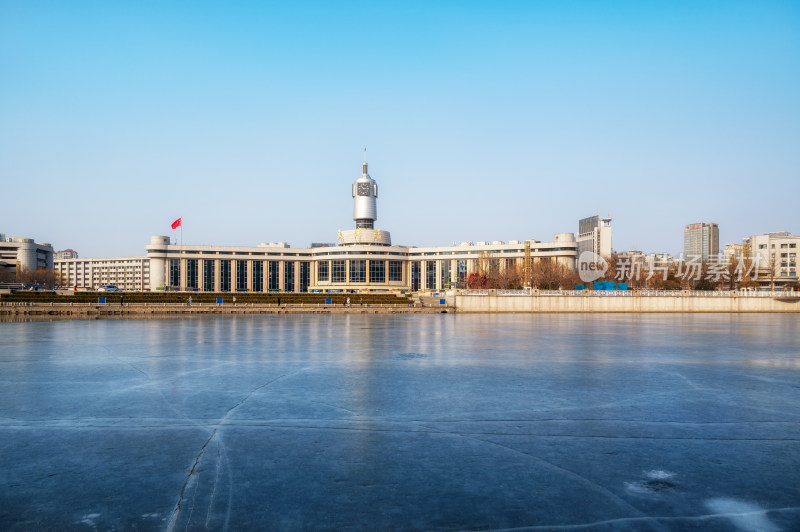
(127,273)
(362,260)
(65,254)
(776,255)
(19,254)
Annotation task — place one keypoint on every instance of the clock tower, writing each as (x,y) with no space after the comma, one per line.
(365,194)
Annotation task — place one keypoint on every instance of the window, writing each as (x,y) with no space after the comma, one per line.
(462,273)
(430,274)
(322,271)
(358,271)
(395,270)
(444,277)
(174,272)
(377,271)
(258,275)
(338,271)
(208,275)
(191,274)
(225,276)
(305,275)
(241,275)
(274,276)
(288,276)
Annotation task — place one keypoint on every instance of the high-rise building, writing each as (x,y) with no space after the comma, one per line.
(700,241)
(594,234)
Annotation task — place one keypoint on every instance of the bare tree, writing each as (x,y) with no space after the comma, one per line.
(7,275)
(549,274)
(40,277)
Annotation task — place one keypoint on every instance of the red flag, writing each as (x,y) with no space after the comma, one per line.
(176,223)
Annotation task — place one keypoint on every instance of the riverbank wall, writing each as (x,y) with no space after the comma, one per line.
(628,303)
(144,310)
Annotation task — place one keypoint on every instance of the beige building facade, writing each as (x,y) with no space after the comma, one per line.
(126,273)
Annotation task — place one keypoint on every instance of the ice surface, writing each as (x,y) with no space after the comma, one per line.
(407,422)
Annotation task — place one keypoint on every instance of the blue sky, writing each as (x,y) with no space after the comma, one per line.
(482,120)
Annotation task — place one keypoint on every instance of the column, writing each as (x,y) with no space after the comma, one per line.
(249,275)
(216,275)
(183,274)
(281,267)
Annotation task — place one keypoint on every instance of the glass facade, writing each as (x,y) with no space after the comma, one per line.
(338,271)
(191,274)
(377,271)
(415,276)
(305,275)
(175,273)
(322,270)
(225,276)
(430,274)
(444,277)
(241,275)
(274,278)
(258,276)
(395,270)
(208,276)
(358,271)
(462,273)
(288,276)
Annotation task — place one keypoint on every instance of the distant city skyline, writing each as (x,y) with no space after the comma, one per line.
(496,121)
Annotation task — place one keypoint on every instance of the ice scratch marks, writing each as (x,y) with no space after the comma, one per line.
(742,515)
(190,480)
(215,437)
(548,465)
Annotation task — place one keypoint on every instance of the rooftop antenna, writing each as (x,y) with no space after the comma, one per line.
(365,154)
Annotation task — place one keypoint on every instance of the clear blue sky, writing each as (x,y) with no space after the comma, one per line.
(482,120)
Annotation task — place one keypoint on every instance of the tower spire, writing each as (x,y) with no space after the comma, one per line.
(364,167)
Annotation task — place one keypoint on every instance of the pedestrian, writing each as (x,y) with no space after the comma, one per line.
(189,302)
(361,300)
(121,298)
(234,301)
(348,301)
(279,302)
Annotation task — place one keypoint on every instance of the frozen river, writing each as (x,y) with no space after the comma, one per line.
(632,422)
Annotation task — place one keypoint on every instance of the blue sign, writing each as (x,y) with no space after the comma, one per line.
(219,301)
(327,301)
(441,301)
(101,299)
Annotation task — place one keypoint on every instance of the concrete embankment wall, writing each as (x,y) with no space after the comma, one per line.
(494,303)
(156,310)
